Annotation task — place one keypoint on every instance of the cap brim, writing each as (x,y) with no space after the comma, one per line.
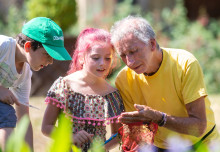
(58,53)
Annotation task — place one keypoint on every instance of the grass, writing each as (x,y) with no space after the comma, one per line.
(41,142)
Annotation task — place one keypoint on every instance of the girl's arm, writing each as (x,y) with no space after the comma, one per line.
(115,141)
(50,116)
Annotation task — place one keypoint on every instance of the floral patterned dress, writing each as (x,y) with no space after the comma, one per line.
(88,112)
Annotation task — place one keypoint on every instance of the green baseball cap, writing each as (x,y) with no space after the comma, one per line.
(47,32)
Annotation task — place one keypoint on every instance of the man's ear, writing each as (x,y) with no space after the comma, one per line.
(27,46)
(153,44)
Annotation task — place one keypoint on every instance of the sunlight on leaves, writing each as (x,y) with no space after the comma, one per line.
(62,136)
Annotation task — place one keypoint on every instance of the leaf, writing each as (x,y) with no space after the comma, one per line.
(97,146)
(16,142)
(62,136)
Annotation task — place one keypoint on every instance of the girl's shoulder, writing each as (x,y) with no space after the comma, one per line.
(111,89)
(59,84)
(72,76)
(110,86)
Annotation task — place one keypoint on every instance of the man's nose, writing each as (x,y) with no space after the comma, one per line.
(130,60)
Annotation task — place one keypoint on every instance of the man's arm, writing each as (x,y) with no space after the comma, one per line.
(195,124)
(21,111)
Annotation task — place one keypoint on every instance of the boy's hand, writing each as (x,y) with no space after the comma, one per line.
(6,96)
(82,137)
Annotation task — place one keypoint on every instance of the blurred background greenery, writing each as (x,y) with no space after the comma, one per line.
(171,21)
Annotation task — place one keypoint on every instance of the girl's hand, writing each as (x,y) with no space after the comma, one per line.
(82,137)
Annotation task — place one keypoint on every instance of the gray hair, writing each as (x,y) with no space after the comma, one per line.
(135,25)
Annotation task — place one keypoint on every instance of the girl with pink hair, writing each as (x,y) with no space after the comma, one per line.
(84,94)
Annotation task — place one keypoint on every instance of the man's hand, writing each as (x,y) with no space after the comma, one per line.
(143,114)
(6,96)
(82,137)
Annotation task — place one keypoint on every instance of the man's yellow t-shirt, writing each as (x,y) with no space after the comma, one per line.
(178,82)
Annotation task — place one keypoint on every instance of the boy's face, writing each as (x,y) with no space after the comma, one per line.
(38,59)
(98,60)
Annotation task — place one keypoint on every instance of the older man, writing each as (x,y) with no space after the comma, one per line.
(161,85)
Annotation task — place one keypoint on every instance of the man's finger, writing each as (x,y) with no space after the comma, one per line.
(139,107)
(131,114)
(129,119)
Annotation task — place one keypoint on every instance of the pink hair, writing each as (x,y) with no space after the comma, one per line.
(85,41)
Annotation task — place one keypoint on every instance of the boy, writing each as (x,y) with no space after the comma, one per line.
(41,40)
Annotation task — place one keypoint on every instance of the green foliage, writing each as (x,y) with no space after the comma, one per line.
(62,12)
(172,23)
(62,139)
(124,9)
(15,20)
(96,146)
(16,141)
(203,148)
(176,31)
(62,136)
(76,149)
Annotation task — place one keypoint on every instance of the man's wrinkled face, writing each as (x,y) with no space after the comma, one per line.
(135,53)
